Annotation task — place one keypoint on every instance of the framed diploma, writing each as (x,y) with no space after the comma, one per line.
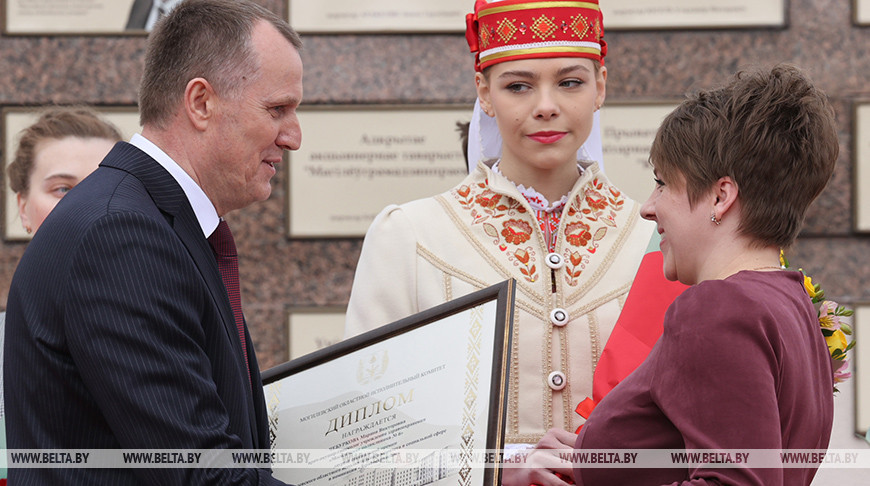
(313,328)
(419,401)
(861,12)
(357,160)
(861,167)
(693,14)
(378,16)
(77,17)
(627,133)
(861,369)
(16,119)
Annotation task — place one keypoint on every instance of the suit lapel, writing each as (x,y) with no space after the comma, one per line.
(171,200)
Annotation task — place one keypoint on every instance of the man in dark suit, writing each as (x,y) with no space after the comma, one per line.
(124,326)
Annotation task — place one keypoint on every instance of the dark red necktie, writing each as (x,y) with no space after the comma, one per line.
(228,263)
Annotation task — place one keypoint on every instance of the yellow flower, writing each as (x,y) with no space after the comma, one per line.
(836,341)
(808,284)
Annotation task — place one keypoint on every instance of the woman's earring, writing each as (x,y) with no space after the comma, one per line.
(713,218)
(28,229)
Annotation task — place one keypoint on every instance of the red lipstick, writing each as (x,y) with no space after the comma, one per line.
(547,137)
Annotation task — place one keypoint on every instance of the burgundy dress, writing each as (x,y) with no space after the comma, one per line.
(741,365)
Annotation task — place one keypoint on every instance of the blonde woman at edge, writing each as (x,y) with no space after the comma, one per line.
(537,214)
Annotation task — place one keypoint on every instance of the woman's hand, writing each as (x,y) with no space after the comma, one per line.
(545,465)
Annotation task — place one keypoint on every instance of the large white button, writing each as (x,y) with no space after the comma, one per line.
(557,380)
(559,317)
(555,261)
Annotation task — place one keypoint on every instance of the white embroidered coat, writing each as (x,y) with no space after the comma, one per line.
(482,232)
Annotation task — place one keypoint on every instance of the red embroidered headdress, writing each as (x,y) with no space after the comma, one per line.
(525,29)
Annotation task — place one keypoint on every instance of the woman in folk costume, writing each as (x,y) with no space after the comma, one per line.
(537,214)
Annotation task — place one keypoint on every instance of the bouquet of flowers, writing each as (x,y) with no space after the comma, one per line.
(833,328)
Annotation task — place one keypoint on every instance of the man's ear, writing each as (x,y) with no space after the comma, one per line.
(199,100)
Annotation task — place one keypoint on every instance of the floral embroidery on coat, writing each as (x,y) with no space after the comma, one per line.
(590,213)
(516,231)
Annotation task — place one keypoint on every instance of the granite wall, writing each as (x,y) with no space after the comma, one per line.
(277,272)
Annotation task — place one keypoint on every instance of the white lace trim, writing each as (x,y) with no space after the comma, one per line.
(535,198)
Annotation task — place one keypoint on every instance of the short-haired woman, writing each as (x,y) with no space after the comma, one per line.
(742,363)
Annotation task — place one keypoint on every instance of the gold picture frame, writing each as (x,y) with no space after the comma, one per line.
(431,385)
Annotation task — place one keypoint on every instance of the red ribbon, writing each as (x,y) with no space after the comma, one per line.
(471,32)
(636,331)
(584,409)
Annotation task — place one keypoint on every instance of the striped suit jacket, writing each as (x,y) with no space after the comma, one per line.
(120,335)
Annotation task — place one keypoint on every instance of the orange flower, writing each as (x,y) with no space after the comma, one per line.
(576,258)
(516,231)
(578,234)
(488,199)
(522,256)
(595,200)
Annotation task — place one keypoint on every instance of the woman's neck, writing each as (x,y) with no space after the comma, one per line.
(740,258)
(551,183)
